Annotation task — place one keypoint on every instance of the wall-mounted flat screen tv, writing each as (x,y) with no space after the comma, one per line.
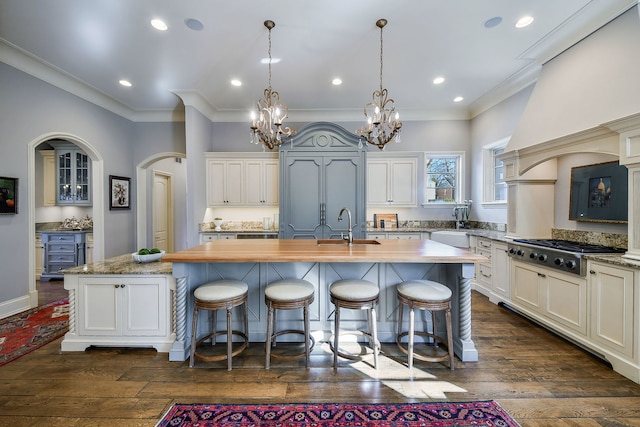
(599,193)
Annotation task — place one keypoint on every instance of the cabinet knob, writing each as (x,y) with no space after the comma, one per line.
(592,272)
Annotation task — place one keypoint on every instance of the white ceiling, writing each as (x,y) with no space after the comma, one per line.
(87,46)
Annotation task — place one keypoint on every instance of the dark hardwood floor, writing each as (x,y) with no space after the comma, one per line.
(50,291)
(540,379)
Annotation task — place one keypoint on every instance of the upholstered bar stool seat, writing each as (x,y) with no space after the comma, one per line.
(288,294)
(355,295)
(213,296)
(425,295)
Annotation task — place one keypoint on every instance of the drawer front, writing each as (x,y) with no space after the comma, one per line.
(54,267)
(484,273)
(484,252)
(62,238)
(484,244)
(61,247)
(61,257)
(405,236)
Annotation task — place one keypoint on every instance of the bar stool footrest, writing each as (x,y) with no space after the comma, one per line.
(220,357)
(312,343)
(403,347)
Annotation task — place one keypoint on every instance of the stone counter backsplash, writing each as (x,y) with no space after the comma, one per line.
(234,226)
(592,237)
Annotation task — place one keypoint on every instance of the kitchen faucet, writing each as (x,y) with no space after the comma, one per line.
(350,235)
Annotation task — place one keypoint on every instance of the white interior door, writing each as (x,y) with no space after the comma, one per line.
(162,212)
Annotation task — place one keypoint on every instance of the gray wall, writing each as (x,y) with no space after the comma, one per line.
(31,108)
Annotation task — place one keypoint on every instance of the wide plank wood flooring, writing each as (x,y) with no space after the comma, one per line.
(540,379)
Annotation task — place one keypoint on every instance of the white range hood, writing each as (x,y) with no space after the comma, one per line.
(595,82)
(586,100)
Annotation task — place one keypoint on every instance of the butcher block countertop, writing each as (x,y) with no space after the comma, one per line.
(305,250)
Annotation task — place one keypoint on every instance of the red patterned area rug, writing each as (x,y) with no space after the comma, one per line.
(432,414)
(27,331)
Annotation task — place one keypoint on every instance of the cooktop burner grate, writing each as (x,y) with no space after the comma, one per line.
(569,246)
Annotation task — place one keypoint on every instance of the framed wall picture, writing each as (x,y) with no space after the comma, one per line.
(8,195)
(120,192)
(599,193)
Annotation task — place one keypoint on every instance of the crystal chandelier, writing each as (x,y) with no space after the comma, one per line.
(383,122)
(266,125)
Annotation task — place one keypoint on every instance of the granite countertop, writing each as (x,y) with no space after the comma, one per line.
(614,260)
(122,264)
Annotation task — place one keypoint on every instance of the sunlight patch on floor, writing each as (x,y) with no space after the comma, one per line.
(414,383)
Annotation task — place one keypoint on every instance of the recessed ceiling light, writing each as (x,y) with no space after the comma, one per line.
(458,99)
(125,83)
(336,81)
(159,24)
(236,82)
(438,80)
(493,22)
(194,24)
(273,60)
(524,21)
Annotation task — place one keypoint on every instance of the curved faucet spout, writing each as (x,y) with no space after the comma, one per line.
(350,235)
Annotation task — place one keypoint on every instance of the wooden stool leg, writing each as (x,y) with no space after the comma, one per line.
(194,335)
(450,338)
(229,339)
(214,325)
(411,336)
(307,330)
(434,328)
(374,334)
(269,334)
(246,320)
(401,311)
(336,334)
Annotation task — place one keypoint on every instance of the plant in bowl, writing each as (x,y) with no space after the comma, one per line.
(145,255)
(217,222)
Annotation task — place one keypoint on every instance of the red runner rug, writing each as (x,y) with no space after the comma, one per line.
(432,414)
(27,331)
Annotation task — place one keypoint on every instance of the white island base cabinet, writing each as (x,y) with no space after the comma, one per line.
(119,311)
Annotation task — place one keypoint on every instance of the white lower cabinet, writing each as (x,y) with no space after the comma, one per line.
(600,312)
(394,236)
(614,308)
(492,277)
(550,296)
(119,310)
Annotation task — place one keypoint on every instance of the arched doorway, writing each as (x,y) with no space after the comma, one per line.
(97,188)
(144,183)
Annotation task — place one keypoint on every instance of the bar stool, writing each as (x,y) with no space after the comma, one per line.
(355,295)
(213,296)
(425,295)
(288,294)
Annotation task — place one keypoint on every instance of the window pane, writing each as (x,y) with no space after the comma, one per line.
(441,177)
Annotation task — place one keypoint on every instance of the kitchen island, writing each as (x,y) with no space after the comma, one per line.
(385,262)
(118,302)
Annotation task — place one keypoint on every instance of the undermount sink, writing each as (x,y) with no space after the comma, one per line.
(345,242)
(456,238)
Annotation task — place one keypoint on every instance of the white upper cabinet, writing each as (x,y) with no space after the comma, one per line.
(392,180)
(261,182)
(242,179)
(224,182)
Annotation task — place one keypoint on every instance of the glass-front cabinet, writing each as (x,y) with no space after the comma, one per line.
(73,169)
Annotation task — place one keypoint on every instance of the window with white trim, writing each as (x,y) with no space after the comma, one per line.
(443,178)
(495,188)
